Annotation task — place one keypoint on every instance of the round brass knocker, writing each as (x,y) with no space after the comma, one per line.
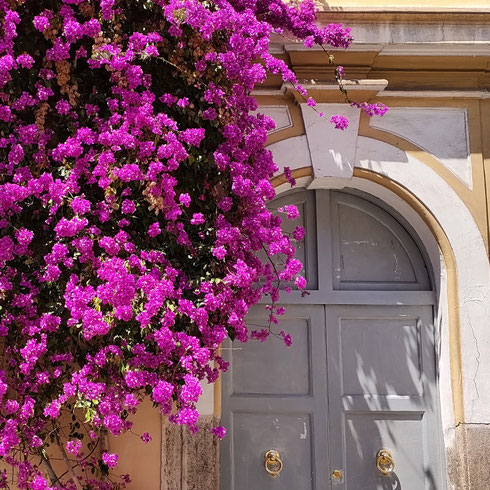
(385,462)
(273,464)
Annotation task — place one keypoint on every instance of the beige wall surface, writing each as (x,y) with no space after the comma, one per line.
(141,461)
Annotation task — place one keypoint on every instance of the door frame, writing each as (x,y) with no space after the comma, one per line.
(431,257)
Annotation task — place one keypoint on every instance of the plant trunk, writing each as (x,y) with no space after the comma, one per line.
(69,467)
(49,470)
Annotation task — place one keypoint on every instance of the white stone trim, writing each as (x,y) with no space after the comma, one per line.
(448,48)
(441,47)
(332,151)
(431,94)
(295,155)
(473,268)
(280,114)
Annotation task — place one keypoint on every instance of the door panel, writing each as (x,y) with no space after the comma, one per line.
(288,434)
(403,436)
(371,250)
(381,356)
(306,249)
(276,378)
(382,395)
(274,397)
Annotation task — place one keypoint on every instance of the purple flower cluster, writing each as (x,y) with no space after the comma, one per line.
(376,109)
(133,190)
(339,121)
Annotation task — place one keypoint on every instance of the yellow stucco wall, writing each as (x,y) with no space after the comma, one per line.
(141,461)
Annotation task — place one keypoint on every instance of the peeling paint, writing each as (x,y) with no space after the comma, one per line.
(305,432)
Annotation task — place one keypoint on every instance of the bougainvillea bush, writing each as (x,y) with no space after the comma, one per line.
(133,189)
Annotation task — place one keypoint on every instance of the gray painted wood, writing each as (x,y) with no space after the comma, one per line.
(360,375)
(306,250)
(371,250)
(279,406)
(383,394)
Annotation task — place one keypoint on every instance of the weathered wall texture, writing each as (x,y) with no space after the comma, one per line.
(468,462)
(190,462)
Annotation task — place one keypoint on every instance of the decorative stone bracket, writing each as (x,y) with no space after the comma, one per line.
(332,151)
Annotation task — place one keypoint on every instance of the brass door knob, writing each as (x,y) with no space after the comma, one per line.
(385,462)
(272,462)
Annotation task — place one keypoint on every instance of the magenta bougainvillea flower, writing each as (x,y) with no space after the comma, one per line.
(339,121)
(133,191)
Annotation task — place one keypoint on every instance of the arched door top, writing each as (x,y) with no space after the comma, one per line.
(371,249)
(352,244)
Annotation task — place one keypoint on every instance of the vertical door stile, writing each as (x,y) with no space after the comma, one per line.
(320,445)
(325,288)
(335,414)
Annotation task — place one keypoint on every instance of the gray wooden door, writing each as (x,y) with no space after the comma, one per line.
(275,399)
(381,383)
(361,374)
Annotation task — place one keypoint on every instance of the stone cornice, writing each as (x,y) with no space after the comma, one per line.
(324,92)
(418,15)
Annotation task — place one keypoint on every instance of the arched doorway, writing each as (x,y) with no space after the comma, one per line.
(361,374)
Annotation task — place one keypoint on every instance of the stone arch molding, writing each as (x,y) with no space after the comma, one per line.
(314,170)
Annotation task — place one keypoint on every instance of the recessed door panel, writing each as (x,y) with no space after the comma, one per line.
(381,356)
(371,250)
(288,374)
(306,249)
(402,436)
(288,434)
